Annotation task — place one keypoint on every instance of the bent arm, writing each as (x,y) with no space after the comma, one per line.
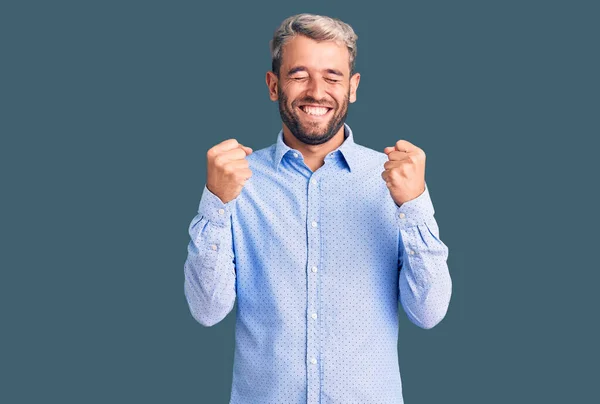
(209,268)
(424,281)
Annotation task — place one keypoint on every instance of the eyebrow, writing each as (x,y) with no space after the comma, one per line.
(303,69)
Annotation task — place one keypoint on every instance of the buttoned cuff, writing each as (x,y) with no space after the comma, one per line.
(415,211)
(213,208)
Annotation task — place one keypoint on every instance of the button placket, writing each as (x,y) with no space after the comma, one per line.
(312,323)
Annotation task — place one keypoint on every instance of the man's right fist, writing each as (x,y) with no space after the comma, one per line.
(228,170)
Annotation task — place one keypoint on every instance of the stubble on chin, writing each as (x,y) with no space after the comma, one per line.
(313,135)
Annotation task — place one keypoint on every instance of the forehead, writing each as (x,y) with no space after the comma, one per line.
(303,51)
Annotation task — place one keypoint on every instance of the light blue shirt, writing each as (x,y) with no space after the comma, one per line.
(318,262)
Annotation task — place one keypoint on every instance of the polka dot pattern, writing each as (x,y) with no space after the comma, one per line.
(318,262)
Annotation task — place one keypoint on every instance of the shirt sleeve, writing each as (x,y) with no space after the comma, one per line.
(425,285)
(209,268)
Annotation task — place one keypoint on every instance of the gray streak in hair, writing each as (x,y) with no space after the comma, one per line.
(316,27)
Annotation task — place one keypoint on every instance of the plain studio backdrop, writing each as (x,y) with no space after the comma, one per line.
(107,110)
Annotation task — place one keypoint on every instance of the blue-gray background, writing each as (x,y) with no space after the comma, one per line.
(108,109)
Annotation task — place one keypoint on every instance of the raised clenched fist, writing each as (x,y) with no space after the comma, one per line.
(227,169)
(404,172)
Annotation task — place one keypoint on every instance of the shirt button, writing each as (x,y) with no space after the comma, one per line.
(314,315)
(214,246)
(313,361)
(314,224)
(295,154)
(221,211)
(314,269)
(412,252)
(313,181)
(402,215)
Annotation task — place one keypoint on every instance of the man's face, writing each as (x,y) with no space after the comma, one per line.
(313,88)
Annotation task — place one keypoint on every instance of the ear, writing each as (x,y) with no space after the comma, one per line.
(354,80)
(271,80)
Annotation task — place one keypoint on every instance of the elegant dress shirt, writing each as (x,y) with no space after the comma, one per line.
(319,262)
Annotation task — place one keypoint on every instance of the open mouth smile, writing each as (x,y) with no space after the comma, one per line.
(315,111)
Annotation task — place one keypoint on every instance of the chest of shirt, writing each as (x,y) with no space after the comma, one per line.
(335,229)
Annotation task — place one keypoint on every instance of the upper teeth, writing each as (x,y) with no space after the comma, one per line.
(314,110)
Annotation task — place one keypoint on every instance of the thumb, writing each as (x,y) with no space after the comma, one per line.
(247,149)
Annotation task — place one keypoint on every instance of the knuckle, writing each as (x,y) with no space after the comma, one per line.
(218,160)
(402,143)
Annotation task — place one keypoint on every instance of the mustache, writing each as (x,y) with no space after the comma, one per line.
(312,101)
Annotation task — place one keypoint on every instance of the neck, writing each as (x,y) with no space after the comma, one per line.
(314,155)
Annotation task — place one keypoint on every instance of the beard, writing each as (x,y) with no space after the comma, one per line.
(312,133)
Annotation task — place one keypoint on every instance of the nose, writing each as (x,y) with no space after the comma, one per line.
(316,89)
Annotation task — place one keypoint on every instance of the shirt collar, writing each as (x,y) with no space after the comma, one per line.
(347,149)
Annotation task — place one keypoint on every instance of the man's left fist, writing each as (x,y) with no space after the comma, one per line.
(404,172)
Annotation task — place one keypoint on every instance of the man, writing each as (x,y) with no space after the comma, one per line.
(318,237)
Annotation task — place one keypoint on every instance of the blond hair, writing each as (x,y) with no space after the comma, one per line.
(317,27)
